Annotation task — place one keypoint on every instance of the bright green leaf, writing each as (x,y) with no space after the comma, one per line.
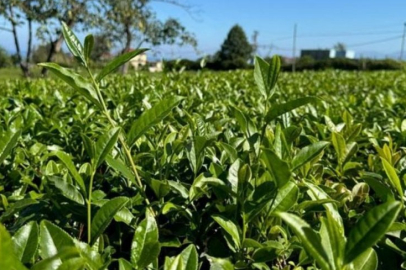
(76,81)
(266,75)
(231,228)
(7,142)
(280,109)
(8,260)
(145,247)
(117,62)
(72,169)
(279,168)
(25,242)
(151,117)
(393,177)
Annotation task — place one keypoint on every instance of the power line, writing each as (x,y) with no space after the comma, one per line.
(322,35)
(374,41)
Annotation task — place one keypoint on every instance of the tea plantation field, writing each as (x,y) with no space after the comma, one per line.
(187,171)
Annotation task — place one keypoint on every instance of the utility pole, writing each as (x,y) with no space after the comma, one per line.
(403,42)
(294,48)
(254,45)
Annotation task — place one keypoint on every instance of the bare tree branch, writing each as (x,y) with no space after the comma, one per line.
(6,29)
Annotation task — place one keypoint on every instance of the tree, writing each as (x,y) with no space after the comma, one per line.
(134,21)
(340,47)
(83,14)
(235,50)
(5,58)
(16,12)
(40,55)
(102,46)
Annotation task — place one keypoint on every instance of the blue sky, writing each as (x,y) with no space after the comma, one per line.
(372,28)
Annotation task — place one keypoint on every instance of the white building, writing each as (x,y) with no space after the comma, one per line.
(326,54)
(139,61)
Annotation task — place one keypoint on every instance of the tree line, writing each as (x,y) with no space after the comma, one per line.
(123,24)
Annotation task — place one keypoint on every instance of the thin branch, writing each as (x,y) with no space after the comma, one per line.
(189,9)
(6,29)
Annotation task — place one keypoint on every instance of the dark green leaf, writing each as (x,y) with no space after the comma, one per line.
(104,146)
(67,190)
(393,177)
(264,254)
(370,228)
(65,259)
(105,215)
(339,145)
(307,153)
(88,46)
(186,260)
(366,261)
(123,264)
(53,239)
(120,166)
(279,168)
(286,198)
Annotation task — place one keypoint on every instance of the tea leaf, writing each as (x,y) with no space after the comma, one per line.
(76,81)
(7,142)
(370,228)
(117,62)
(8,259)
(310,240)
(145,247)
(73,43)
(25,242)
(88,47)
(105,215)
(278,167)
(151,117)
(72,169)
(104,146)
(307,153)
(280,109)
(266,75)
(230,227)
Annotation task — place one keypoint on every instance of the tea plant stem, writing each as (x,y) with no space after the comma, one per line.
(89,208)
(121,139)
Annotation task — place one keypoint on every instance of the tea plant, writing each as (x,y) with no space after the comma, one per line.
(207,171)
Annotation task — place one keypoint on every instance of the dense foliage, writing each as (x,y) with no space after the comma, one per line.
(211,170)
(235,50)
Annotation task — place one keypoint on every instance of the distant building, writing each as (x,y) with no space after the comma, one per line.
(139,61)
(156,66)
(327,54)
